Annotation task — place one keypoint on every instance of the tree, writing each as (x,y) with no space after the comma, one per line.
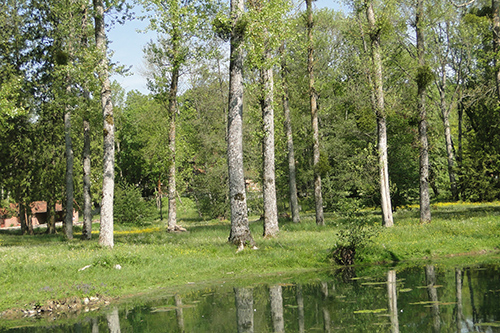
(318,198)
(424,77)
(108,183)
(240,234)
(292,180)
(379,108)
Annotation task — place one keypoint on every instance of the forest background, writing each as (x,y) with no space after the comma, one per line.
(52,65)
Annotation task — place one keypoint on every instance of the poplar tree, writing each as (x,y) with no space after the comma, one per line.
(108,183)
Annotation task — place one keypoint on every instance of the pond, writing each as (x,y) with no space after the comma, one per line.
(424,298)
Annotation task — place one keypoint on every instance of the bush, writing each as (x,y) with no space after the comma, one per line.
(129,206)
(356,233)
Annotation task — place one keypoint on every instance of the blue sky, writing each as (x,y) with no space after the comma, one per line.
(127,45)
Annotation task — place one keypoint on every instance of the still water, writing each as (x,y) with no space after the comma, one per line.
(425,298)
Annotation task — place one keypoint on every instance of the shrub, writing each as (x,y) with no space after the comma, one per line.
(129,205)
(356,233)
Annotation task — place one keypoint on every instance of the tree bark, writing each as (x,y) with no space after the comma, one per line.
(87,201)
(495,6)
(179,314)
(172,109)
(292,173)
(271,227)
(51,220)
(87,204)
(425,208)
(379,108)
(318,198)
(108,183)
(240,232)
(68,219)
(450,151)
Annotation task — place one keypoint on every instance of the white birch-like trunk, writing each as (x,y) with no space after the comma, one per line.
(108,182)
(271,227)
(425,207)
(292,173)
(68,219)
(450,154)
(240,233)
(379,108)
(318,198)
(87,203)
(172,189)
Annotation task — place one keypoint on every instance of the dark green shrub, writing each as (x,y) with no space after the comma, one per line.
(129,205)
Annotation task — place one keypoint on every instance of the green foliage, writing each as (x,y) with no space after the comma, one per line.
(129,206)
(424,76)
(222,26)
(355,233)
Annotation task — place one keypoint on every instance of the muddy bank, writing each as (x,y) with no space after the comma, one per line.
(55,309)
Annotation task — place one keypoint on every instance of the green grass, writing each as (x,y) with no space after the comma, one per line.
(34,269)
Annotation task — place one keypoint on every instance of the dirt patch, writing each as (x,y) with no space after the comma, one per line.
(58,308)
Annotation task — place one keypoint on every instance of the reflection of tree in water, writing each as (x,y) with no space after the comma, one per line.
(458,294)
(430,277)
(276,300)
(326,313)
(178,312)
(392,296)
(244,309)
(300,307)
(113,321)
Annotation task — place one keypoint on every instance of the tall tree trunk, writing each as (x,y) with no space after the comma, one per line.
(318,199)
(392,295)
(422,81)
(172,109)
(450,151)
(379,108)
(87,204)
(292,178)
(240,232)
(495,6)
(244,309)
(87,201)
(108,182)
(276,301)
(68,219)
(271,227)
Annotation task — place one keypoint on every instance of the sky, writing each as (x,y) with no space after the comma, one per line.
(127,43)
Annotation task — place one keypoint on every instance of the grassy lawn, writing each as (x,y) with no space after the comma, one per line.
(34,269)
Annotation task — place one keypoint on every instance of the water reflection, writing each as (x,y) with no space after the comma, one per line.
(392,297)
(418,299)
